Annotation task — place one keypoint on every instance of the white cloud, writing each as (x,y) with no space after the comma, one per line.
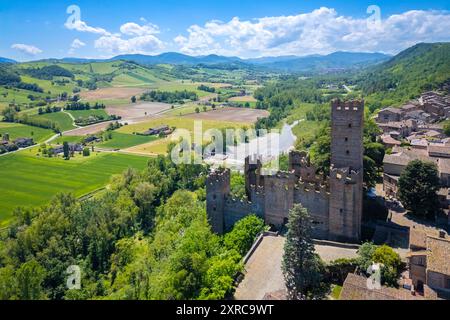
(82,26)
(134,29)
(141,44)
(25,48)
(77,43)
(320,31)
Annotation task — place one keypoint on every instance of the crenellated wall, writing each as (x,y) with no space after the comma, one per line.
(334,202)
(315,198)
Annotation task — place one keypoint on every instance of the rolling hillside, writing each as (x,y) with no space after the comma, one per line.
(419,68)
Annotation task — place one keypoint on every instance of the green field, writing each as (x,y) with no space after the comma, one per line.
(86,113)
(63,120)
(123,140)
(16,130)
(28,180)
(70,139)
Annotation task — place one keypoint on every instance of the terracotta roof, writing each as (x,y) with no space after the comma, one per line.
(418,238)
(438,259)
(355,288)
(444,165)
(387,139)
(393,110)
(439,148)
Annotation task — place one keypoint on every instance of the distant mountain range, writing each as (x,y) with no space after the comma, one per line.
(6,60)
(425,66)
(312,63)
(337,60)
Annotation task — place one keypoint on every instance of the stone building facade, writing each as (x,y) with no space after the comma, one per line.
(334,202)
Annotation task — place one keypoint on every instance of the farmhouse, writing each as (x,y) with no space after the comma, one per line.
(91,139)
(158,130)
(24,142)
(73,147)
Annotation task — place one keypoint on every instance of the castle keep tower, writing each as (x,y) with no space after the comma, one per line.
(346,177)
(347,120)
(217,189)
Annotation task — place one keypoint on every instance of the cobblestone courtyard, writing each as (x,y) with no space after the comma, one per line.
(263,269)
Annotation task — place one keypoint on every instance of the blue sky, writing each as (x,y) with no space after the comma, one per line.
(40,29)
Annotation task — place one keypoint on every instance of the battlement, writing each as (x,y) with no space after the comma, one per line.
(352,105)
(233,201)
(306,188)
(218,176)
(345,175)
(254,159)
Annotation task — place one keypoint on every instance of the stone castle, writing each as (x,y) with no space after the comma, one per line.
(334,202)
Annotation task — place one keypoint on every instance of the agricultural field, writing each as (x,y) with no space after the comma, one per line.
(70,139)
(160,146)
(16,130)
(125,140)
(228,114)
(63,120)
(50,86)
(87,113)
(138,110)
(111,94)
(33,181)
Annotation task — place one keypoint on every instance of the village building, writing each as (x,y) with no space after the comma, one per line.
(158,130)
(403,128)
(396,162)
(355,288)
(73,147)
(24,142)
(429,261)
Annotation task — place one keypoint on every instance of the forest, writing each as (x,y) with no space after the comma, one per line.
(137,240)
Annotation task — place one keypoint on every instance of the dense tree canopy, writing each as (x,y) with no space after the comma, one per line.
(418,187)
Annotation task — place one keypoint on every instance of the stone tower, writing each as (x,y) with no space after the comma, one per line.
(217,189)
(346,176)
(252,174)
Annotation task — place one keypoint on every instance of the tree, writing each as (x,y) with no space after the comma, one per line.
(244,234)
(30,277)
(370,172)
(133,99)
(447,128)
(302,267)
(66,150)
(86,152)
(418,187)
(369,254)
(391,262)
(197,110)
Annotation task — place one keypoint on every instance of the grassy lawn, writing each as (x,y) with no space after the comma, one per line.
(124,140)
(70,139)
(63,120)
(17,130)
(336,292)
(31,181)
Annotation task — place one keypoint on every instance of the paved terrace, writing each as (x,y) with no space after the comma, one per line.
(263,269)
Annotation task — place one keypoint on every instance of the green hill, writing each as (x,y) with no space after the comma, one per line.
(422,67)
